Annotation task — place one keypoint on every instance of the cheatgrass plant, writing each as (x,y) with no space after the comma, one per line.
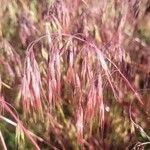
(69,77)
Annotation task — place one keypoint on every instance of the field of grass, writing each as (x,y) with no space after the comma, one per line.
(74,74)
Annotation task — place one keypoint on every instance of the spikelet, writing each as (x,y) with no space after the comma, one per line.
(31,84)
(80,124)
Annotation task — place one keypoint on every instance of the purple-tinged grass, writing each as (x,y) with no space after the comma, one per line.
(65,78)
(31,84)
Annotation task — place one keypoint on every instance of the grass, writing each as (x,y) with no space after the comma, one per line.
(66,79)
